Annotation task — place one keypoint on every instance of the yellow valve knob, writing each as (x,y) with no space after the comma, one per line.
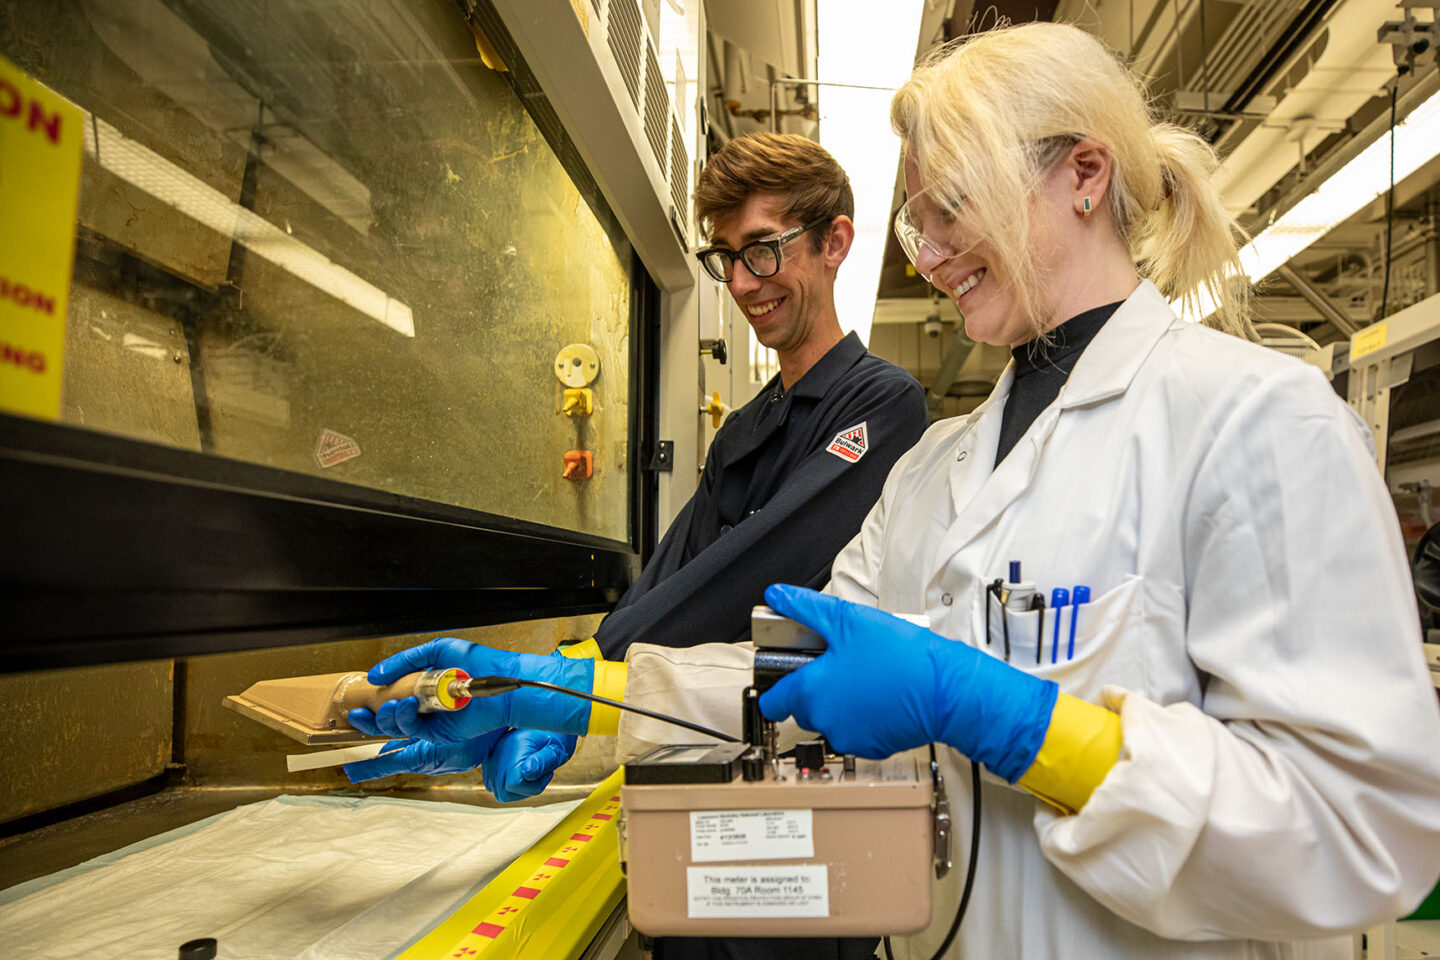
(579,402)
(716,409)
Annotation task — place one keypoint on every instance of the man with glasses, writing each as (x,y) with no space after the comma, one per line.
(791,475)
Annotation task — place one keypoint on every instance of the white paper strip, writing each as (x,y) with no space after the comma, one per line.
(333,758)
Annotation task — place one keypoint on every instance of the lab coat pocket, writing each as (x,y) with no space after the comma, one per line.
(1081,648)
(1013,635)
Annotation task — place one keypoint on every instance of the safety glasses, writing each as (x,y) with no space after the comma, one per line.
(923,219)
(761,257)
(918,225)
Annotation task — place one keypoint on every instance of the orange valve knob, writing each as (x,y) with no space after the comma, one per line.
(579,465)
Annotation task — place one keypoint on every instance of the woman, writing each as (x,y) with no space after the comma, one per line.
(1235,734)
(1276,775)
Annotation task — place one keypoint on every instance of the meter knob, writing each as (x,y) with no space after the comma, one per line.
(810,755)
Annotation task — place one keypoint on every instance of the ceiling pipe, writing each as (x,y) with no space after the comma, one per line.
(1351,69)
(1323,305)
(955,358)
(1286,45)
(1432,250)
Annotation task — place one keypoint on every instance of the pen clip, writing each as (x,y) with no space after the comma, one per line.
(993,588)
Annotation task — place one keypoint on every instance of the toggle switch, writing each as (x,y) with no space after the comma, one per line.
(579,465)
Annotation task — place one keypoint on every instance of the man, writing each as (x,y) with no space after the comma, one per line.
(787,480)
(790,476)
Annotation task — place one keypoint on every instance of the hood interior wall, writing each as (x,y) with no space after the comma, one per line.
(168,735)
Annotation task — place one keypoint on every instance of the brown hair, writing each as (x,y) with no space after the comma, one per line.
(784,164)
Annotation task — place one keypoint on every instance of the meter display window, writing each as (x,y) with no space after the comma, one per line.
(330,238)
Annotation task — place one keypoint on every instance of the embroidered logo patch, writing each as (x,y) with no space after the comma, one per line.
(850,444)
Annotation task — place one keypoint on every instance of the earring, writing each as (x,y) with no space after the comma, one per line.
(1085,210)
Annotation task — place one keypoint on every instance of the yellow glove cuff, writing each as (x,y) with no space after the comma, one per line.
(584,650)
(610,678)
(1080,747)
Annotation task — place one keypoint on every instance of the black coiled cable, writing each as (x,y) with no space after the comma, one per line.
(969,869)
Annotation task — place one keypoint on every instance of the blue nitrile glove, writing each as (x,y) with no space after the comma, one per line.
(524,708)
(523,762)
(886,685)
(424,756)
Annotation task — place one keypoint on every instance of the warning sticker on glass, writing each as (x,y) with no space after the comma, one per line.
(333,448)
(42,137)
(750,835)
(758,891)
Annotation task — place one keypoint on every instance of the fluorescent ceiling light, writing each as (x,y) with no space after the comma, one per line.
(855,128)
(1346,192)
(137,164)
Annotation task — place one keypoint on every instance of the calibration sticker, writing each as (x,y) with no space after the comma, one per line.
(758,892)
(850,444)
(750,835)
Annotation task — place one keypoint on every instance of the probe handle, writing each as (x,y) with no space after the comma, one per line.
(430,687)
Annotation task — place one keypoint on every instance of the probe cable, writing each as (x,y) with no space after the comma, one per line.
(491,686)
(969,869)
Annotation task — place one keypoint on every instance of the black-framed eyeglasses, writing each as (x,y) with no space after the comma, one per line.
(761,257)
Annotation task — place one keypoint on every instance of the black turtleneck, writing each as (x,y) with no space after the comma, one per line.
(1041,369)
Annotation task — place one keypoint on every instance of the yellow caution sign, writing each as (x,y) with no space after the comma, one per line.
(42,137)
(1369,340)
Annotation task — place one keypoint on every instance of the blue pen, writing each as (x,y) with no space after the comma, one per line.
(1059,598)
(1081,595)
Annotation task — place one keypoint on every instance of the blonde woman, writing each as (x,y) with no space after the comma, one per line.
(1217,740)
(1236,732)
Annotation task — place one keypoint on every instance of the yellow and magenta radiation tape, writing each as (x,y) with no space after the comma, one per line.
(562,889)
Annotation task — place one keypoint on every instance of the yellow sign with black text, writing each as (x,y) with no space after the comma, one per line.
(42,137)
(1369,340)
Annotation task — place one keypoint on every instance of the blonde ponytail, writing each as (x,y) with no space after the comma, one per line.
(1188,244)
(984,117)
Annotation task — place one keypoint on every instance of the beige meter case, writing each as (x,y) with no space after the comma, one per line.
(837,853)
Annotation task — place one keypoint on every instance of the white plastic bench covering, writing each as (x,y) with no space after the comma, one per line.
(311,878)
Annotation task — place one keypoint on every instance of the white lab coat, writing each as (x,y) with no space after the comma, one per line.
(1251,620)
